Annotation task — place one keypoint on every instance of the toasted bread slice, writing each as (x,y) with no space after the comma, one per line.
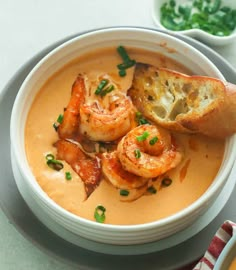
(194,104)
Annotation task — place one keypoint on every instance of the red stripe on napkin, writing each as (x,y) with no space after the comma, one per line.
(219,241)
(216,246)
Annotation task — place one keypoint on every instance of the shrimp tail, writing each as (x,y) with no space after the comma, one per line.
(70,124)
(88,168)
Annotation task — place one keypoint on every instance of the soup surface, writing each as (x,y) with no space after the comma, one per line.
(190,179)
(233,264)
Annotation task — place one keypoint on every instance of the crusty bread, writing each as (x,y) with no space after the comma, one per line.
(194,104)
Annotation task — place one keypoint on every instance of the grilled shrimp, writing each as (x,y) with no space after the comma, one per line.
(148,151)
(120,178)
(70,125)
(96,120)
(112,169)
(86,167)
(100,124)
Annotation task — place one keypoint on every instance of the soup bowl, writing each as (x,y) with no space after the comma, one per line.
(51,213)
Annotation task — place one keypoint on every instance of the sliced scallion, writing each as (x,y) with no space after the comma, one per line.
(124,192)
(99,214)
(100,87)
(153,140)
(68,176)
(60,118)
(137,153)
(209,16)
(140,119)
(53,163)
(152,190)
(166,182)
(142,137)
(127,62)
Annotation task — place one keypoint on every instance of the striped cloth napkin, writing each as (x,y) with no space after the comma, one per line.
(219,241)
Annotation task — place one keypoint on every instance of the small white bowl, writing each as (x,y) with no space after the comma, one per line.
(195,33)
(54,61)
(227,255)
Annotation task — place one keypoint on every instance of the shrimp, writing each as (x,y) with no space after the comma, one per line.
(92,120)
(148,151)
(70,124)
(86,167)
(121,179)
(101,124)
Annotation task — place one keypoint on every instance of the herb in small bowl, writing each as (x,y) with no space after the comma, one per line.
(211,21)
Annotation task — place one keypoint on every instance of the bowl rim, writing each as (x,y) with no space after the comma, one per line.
(29,177)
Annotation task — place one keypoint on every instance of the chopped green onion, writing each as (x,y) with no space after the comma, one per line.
(100,87)
(122,52)
(137,153)
(59,121)
(209,16)
(55,126)
(166,182)
(126,65)
(68,176)
(49,157)
(140,119)
(60,118)
(53,163)
(153,140)
(152,190)
(127,62)
(122,72)
(124,192)
(142,137)
(107,90)
(99,214)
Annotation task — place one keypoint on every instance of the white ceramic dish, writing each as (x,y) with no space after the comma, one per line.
(227,255)
(104,233)
(195,33)
(126,250)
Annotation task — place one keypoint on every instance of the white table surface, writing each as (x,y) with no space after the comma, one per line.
(27,27)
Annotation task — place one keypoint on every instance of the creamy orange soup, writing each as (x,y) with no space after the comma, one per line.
(233,264)
(190,179)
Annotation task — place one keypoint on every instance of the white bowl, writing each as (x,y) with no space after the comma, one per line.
(55,60)
(195,33)
(227,255)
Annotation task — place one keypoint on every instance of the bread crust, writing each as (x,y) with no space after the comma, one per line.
(192,104)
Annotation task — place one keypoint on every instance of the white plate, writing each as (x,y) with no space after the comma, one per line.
(19,214)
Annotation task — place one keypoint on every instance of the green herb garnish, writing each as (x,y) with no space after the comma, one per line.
(153,140)
(101,90)
(100,87)
(127,62)
(152,190)
(59,121)
(207,15)
(99,214)
(137,153)
(166,182)
(53,163)
(60,118)
(68,176)
(142,137)
(124,192)
(140,119)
